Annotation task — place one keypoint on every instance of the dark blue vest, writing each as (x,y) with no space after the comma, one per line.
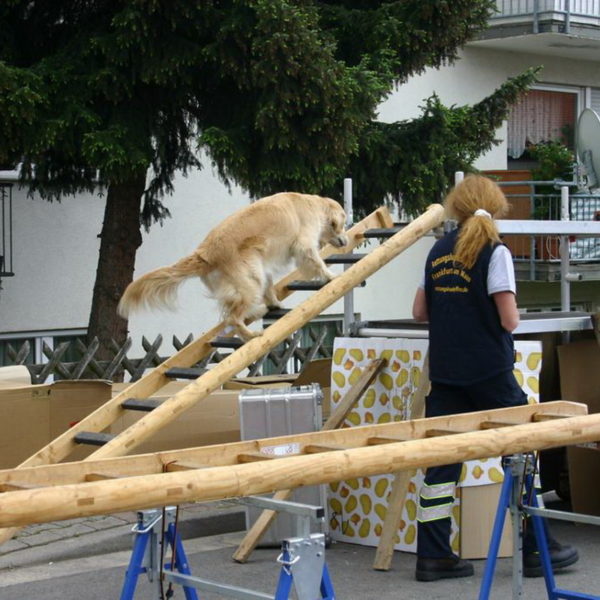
(467,343)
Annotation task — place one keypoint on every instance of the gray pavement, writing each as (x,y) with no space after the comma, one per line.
(87,559)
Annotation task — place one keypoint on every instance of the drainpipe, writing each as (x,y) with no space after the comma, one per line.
(536,16)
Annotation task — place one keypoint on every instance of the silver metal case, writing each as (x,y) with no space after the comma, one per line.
(271,412)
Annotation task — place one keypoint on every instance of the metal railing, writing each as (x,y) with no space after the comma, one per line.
(538,256)
(566,12)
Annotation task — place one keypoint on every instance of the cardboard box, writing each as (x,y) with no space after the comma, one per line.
(213,420)
(477,513)
(34,415)
(580,382)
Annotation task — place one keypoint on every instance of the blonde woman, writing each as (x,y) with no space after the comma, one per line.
(468,295)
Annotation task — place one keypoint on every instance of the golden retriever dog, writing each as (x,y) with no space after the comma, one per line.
(239,257)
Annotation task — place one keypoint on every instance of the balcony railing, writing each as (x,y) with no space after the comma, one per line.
(563,14)
(537,257)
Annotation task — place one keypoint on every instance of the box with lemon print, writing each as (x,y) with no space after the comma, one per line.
(357,507)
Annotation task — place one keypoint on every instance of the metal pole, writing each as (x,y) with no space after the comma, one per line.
(565,289)
(349,297)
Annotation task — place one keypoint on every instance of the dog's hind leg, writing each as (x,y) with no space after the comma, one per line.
(270,296)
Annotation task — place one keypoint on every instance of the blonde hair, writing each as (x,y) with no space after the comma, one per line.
(475,192)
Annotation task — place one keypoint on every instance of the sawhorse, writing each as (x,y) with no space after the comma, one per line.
(518,494)
(302,558)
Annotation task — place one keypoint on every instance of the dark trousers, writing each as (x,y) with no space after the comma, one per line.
(500,391)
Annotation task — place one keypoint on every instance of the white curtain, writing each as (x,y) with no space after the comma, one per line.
(538,117)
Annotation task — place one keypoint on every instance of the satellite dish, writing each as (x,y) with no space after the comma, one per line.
(588,145)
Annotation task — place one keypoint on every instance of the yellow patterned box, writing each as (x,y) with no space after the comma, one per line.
(357,507)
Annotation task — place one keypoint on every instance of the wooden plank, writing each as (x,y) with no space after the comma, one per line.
(316,448)
(180,465)
(494,424)
(334,421)
(388,439)
(248,457)
(100,476)
(399,489)
(438,432)
(16,486)
(546,417)
(232,481)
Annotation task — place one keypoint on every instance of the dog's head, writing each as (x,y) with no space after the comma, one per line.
(334,224)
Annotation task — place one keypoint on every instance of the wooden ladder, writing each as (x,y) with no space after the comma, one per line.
(77,489)
(136,396)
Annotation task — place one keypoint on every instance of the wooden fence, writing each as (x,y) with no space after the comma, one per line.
(288,357)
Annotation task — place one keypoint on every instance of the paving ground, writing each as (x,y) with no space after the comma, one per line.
(87,558)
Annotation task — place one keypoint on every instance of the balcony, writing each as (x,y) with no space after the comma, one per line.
(564,28)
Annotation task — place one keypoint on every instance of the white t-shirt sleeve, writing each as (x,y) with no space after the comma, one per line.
(501,272)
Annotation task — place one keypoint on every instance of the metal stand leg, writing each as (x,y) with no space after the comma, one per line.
(135,568)
(490,564)
(146,553)
(519,470)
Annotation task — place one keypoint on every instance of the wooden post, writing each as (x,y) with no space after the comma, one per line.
(336,418)
(397,497)
(134,493)
(255,348)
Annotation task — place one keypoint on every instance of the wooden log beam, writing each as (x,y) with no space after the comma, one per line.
(85,499)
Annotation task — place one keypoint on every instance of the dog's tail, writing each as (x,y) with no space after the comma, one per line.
(158,288)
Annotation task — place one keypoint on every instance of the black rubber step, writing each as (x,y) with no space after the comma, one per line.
(184,373)
(343,259)
(92,438)
(227,342)
(313,285)
(381,232)
(276,313)
(142,405)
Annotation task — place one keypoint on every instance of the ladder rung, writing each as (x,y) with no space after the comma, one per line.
(494,424)
(439,432)
(15,486)
(381,232)
(184,373)
(247,457)
(183,466)
(374,441)
(276,313)
(92,438)
(343,259)
(143,405)
(537,417)
(313,285)
(227,342)
(316,448)
(97,476)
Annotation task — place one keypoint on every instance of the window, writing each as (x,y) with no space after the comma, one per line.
(542,116)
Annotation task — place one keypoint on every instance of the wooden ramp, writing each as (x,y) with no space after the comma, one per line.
(78,489)
(135,397)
